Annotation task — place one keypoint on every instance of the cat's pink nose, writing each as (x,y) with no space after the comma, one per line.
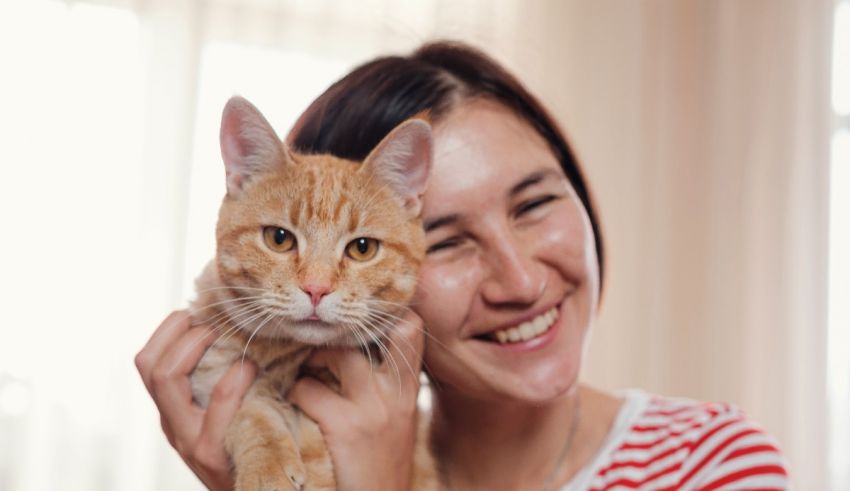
(316,292)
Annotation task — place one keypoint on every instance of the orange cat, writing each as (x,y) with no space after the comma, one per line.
(312,250)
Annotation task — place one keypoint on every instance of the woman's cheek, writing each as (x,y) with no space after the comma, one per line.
(566,240)
(444,296)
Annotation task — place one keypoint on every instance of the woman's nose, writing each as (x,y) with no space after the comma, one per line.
(515,277)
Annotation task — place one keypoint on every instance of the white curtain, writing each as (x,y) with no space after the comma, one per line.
(703,127)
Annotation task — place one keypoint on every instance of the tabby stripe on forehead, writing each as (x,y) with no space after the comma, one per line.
(295,213)
(309,210)
(311,181)
(342,201)
(310,193)
(327,189)
(322,214)
(353,221)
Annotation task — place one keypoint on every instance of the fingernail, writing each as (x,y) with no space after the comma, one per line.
(247,371)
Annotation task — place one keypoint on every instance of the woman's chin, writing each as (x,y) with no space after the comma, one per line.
(537,385)
(540,388)
(534,379)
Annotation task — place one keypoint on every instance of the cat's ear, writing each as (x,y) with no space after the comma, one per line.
(402,160)
(249,145)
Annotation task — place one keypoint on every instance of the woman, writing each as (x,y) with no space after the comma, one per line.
(507,294)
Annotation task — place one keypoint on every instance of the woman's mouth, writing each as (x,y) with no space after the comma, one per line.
(526,331)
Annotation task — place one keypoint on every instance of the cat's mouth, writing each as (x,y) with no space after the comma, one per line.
(316,332)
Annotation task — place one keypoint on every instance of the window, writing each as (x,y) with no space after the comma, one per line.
(72,132)
(839,257)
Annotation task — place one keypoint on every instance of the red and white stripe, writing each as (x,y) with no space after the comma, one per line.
(685,445)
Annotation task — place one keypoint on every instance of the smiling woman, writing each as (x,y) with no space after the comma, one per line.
(518,250)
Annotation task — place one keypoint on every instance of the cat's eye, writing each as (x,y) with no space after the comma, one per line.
(362,249)
(279,239)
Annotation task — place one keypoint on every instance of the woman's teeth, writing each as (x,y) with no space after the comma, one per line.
(527,330)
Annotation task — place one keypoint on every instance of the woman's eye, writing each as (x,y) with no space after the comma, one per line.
(279,239)
(446,244)
(529,205)
(362,248)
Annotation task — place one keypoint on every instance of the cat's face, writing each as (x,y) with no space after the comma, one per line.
(327,250)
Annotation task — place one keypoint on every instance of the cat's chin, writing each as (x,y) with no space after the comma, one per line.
(313,332)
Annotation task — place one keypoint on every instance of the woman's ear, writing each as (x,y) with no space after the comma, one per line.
(249,145)
(402,160)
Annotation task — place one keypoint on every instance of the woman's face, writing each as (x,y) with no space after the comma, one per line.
(510,282)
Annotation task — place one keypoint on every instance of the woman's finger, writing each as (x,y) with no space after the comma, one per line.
(177,323)
(171,387)
(184,354)
(350,367)
(225,399)
(317,401)
(405,343)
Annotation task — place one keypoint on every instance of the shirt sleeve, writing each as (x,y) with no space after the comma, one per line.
(735,454)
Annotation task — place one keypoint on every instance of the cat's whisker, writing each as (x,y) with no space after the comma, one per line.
(228,311)
(278,304)
(263,323)
(231,312)
(399,319)
(364,343)
(375,324)
(361,340)
(221,337)
(245,319)
(402,306)
(376,340)
(373,313)
(387,324)
(192,345)
(227,301)
(242,316)
(387,357)
(386,314)
(229,287)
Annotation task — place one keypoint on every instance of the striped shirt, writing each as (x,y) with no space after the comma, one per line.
(659,443)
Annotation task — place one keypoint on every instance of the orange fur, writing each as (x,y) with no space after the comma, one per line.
(256,296)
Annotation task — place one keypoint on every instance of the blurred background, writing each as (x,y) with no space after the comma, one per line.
(715,135)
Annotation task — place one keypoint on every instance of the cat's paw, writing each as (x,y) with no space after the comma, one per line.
(296,473)
(266,473)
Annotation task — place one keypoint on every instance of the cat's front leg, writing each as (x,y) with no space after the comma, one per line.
(314,454)
(264,451)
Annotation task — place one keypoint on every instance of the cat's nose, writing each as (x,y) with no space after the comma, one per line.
(316,292)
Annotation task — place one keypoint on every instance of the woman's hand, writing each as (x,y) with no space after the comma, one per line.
(165,363)
(370,426)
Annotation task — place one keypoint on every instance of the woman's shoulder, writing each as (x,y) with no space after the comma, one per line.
(664,442)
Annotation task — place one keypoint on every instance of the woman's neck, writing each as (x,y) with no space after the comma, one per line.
(486,445)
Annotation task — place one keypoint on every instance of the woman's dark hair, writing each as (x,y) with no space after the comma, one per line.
(356,112)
